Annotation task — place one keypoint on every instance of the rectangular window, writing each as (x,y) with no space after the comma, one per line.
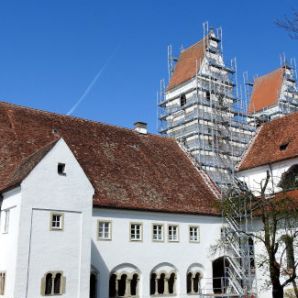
(157,232)
(104,230)
(6,214)
(2,283)
(194,234)
(56,221)
(135,232)
(173,233)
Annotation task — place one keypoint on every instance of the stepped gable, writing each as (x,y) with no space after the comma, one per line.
(128,170)
(187,64)
(276,140)
(266,90)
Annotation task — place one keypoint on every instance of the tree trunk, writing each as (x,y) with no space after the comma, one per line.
(277,291)
(277,288)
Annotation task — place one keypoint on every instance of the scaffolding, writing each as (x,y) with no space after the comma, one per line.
(209,119)
(238,243)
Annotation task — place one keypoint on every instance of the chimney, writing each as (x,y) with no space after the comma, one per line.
(141,127)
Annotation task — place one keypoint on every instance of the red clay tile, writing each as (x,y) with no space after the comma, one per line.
(127,169)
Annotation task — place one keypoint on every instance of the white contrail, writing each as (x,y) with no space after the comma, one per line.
(90,86)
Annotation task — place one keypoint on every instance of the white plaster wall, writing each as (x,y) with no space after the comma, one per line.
(9,241)
(145,255)
(253,177)
(182,88)
(55,251)
(257,176)
(39,250)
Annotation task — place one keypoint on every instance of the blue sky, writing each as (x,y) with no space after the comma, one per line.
(51,50)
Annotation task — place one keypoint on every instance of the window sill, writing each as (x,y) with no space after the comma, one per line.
(104,239)
(163,295)
(56,230)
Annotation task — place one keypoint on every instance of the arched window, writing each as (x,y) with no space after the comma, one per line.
(193,278)
(196,282)
(53,283)
(189,282)
(153,282)
(171,283)
(49,280)
(163,280)
(124,281)
(161,284)
(134,285)
(112,285)
(57,284)
(122,285)
(193,282)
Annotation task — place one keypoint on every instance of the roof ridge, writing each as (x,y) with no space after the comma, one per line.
(189,47)
(270,72)
(77,118)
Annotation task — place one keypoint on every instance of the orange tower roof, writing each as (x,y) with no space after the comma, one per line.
(266,90)
(187,64)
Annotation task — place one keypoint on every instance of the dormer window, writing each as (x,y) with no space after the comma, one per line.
(283,146)
(61,169)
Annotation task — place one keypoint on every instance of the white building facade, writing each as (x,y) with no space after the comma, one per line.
(271,164)
(69,228)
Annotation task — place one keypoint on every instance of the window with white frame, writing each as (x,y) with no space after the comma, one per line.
(57,221)
(2,283)
(104,230)
(6,216)
(173,233)
(157,232)
(194,234)
(135,232)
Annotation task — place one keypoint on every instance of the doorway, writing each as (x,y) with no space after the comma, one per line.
(93,285)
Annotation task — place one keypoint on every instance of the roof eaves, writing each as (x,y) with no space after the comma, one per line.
(18,176)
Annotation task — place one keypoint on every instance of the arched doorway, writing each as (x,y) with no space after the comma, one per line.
(93,285)
(220,281)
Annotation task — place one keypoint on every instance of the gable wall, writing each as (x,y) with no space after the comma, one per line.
(41,250)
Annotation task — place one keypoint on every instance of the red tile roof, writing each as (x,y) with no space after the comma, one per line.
(127,169)
(187,64)
(27,165)
(266,90)
(285,201)
(275,141)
